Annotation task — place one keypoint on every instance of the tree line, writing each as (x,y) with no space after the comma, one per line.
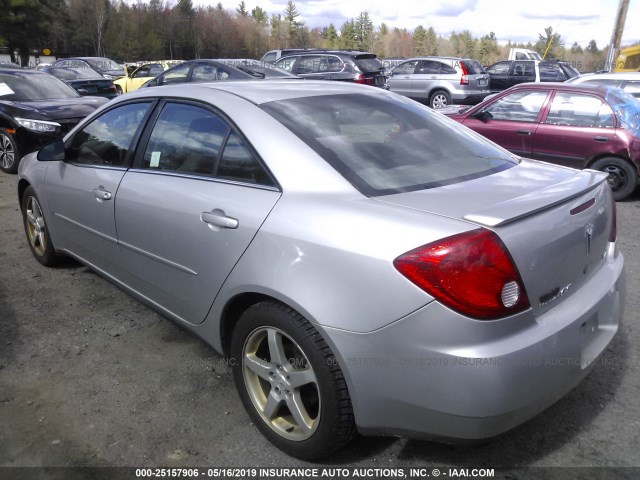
(156,30)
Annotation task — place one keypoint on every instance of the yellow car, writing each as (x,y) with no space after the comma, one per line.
(140,75)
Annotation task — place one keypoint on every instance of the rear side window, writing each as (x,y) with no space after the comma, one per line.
(578,110)
(551,73)
(499,68)
(429,67)
(185,139)
(385,145)
(195,141)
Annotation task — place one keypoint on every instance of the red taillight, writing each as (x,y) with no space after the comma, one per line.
(464,80)
(360,78)
(613,234)
(471,273)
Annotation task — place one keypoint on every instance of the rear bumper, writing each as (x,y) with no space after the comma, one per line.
(435,374)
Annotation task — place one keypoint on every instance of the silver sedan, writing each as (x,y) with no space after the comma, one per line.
(368,265)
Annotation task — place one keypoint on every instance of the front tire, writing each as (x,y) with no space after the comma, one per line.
(290,383)
(439,99)
(36,229)
(9,155)
(623,177)
(118,89)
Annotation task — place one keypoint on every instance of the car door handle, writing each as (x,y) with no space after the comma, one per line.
(217,218)
(524,132)
(102,194)
(601,139)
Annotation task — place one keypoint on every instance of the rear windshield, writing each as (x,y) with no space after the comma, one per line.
(75,73)
(24,88)
(473,67)
(104,64)
(386,144)
(368,63)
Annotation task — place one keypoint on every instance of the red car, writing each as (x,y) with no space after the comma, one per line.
(580,126)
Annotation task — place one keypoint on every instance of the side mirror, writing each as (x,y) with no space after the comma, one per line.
(481,115)
(52,152)
(82,91)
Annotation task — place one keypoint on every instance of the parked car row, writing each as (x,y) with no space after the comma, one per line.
(577,125)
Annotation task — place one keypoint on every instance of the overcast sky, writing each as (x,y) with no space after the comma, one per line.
(515,20)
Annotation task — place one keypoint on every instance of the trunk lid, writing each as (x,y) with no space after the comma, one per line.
(554,221)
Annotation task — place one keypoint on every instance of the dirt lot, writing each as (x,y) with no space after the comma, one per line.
(91,377)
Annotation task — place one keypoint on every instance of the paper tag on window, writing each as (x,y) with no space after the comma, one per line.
(155,159)
(5,89)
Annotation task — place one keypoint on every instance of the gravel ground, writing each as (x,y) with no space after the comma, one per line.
(91,377)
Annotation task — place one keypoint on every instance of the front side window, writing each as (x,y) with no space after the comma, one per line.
(501,68)
(176,75)
(521,106)
(579,110)
(287,63)
(107,139)
(385,145)
(406,68)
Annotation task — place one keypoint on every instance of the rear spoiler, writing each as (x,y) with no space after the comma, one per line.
(531,203)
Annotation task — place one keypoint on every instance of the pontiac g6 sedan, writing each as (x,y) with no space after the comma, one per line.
(370,265)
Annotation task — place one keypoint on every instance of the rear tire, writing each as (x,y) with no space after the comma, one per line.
(623,177)
(439,99)
(9,155)
(36,229)
(290,383)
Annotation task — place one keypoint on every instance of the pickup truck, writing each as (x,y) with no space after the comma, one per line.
(508,73)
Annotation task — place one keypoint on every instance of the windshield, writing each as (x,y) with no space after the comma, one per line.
(104,64)
(388,144)
(25,88)
(627,109)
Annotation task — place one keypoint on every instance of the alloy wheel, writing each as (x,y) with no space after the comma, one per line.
(281,383)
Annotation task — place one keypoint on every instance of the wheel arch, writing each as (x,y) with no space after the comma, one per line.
(233,310)
(626,159)
(22,186)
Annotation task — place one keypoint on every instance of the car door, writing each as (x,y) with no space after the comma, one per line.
(499,73)
(512,120)
(189,209)
(402,77)
(82,189)
(313,67)
(428,75)
(577,127)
